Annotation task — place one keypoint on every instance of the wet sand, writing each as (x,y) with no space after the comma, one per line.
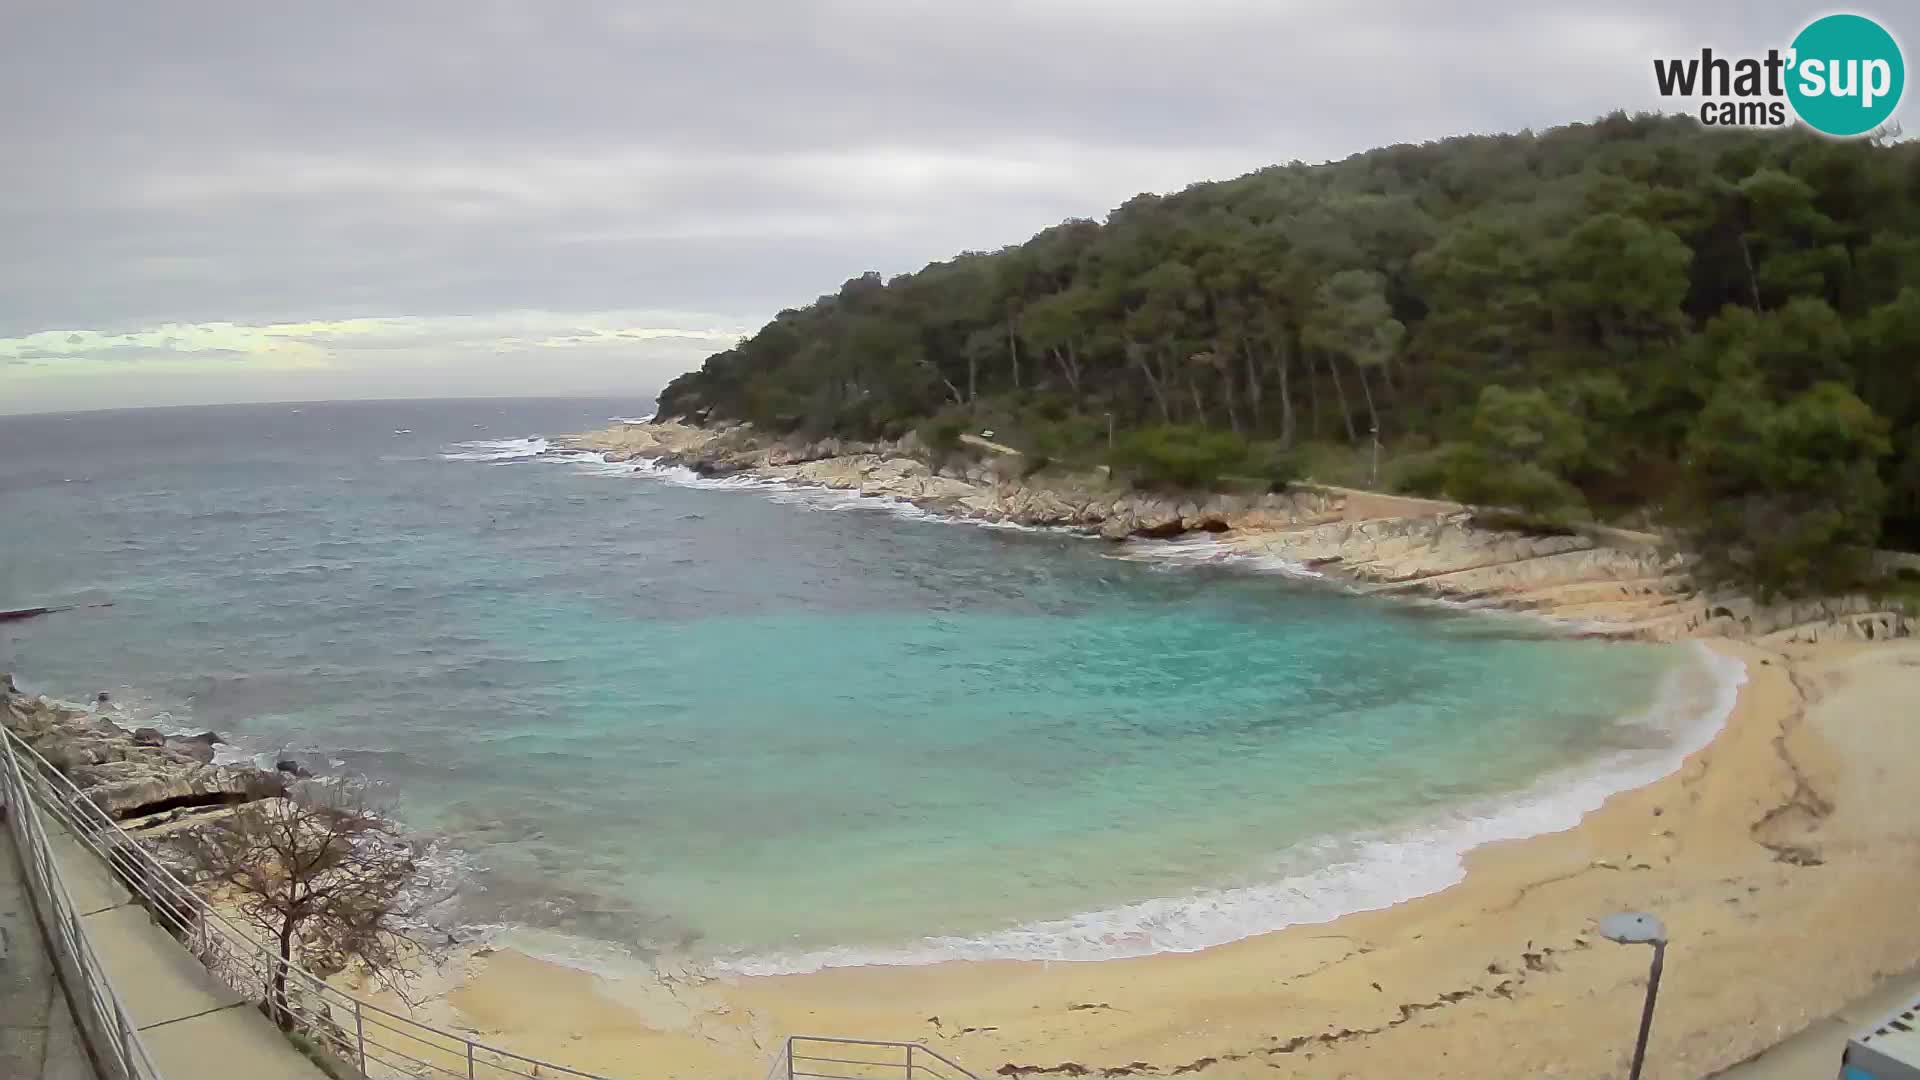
(1784,857)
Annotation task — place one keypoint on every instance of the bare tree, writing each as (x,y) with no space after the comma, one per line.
(319,867)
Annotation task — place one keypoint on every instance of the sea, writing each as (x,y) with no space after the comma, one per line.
(645,717)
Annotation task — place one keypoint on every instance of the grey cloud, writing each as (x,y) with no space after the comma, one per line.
(210,160)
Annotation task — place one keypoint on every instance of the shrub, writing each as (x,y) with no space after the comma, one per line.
(1177,456)
(1473,476)
(1421,472)
(1276,467)
(1786,498)
(940,434)
(1075,437)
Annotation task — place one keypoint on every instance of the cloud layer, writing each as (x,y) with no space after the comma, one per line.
(214,168)
(505,354)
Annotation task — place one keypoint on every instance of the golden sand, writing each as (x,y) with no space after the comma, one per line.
(1784,857)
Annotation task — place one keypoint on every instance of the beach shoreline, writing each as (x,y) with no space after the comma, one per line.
(1775,826)
(1759,830)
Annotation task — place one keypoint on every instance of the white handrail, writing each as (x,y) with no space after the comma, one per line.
(827,1057)
(99,1015)
(379,1037)
(354,1030)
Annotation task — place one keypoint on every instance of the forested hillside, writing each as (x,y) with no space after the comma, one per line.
(1636,320)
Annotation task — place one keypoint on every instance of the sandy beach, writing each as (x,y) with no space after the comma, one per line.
(1784,858)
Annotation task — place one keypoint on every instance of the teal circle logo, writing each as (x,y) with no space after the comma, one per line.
(1846,75)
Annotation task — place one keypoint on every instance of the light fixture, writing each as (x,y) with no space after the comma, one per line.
(1640,928)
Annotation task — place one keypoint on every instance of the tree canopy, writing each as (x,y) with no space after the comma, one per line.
(1638,319)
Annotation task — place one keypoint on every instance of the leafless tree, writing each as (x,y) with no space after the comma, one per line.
(318,867)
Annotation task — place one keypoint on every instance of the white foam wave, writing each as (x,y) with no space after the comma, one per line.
(130,709)
(603,958)
(791,492)
(647,419)
(1204,550)
(1323,880)
(497,449)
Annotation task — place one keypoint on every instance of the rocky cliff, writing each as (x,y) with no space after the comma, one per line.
(1600,582)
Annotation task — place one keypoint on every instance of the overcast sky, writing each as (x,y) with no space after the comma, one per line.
(238,201)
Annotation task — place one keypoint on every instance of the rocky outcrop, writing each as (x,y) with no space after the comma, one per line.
(1602,582)
(131,774)
(157,791)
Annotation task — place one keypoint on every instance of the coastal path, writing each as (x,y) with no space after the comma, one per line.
(38,1040)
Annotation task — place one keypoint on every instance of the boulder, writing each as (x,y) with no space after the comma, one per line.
(66,755)
(198,748)
(147,736)
(169,787)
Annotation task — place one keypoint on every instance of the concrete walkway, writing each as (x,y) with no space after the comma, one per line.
(193,1025)
(37,1036)
(1814,1054)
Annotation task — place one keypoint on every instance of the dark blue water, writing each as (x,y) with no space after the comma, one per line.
(783,732)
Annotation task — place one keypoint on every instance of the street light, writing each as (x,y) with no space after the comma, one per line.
(1639,928)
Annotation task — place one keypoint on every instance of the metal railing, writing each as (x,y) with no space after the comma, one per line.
(355,1033)
(821,1057)
(109,1030)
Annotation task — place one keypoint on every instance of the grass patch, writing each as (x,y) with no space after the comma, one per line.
(1901,590)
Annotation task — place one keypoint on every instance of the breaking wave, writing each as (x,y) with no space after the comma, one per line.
(1325,879)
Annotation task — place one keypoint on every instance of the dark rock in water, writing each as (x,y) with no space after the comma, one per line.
(147,736)
(198,748)
(292,768)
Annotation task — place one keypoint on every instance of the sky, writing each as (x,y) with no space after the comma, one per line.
(227,200)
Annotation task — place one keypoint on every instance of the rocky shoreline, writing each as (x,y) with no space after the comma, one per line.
(1598,582)
(148,782)
(164,788)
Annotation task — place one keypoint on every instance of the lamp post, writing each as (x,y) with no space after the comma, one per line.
(1639,928)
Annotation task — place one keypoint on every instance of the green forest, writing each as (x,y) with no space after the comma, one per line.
(1637,321)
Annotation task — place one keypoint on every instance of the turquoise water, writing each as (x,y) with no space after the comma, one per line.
(773,731)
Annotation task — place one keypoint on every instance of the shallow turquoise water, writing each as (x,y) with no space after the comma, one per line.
(776,733)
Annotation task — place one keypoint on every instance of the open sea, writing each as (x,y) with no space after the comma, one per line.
(764,730)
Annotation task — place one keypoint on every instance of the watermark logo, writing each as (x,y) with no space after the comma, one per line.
(1842,76)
